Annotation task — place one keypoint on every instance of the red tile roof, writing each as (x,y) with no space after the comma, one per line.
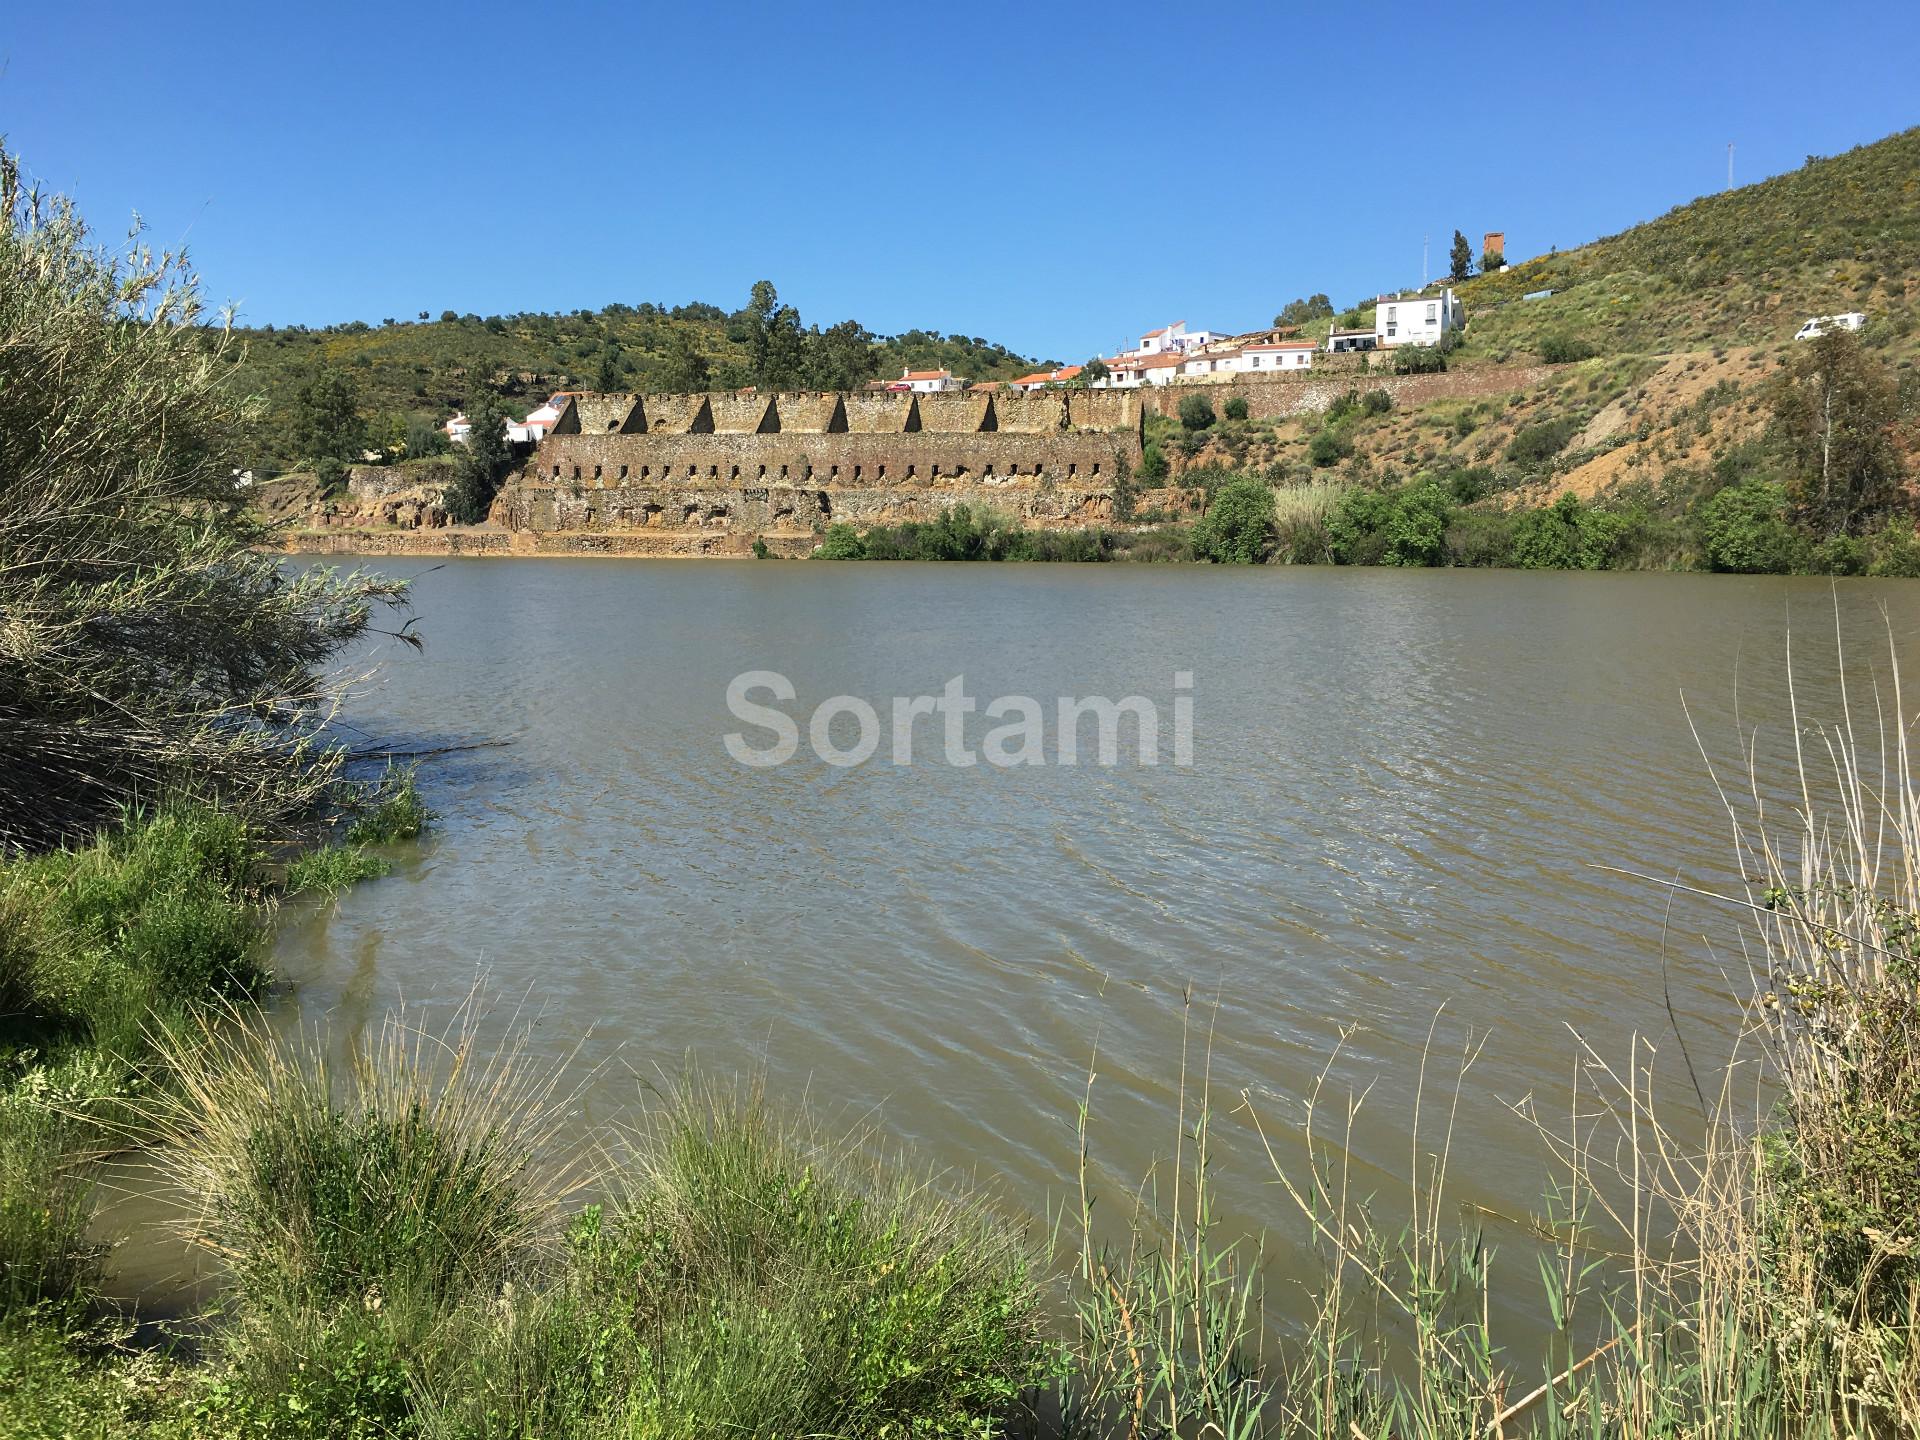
(928,375)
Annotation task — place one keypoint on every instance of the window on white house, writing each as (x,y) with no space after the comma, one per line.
(1433,313)
(1392,310)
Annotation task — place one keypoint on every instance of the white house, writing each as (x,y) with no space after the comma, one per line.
(1130,372)
(1040,379)
(1276,356)
(1339,342)
(457,429)
(1415,319)
(927,382)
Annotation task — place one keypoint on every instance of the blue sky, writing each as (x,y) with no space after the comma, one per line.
(1057,178)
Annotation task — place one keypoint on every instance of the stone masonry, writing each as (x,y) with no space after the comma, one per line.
(695,468)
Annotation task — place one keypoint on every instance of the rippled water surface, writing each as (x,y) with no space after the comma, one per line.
(1403,786)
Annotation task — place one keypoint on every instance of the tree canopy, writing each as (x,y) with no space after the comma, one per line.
(146,645)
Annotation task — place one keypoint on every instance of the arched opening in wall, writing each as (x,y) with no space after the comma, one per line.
(762,474)
(693,472)
(856,474)
(823,502)
(988,472)
(990,418)
(596,472)
(645,471)
(1072,470)
(623,472)
(614,424)
(882,473)
(689,514)
(933,472)
(650,515)
(1096,467)
(734,473)
(910,472)
(556,470)
(713,472)
(783,472)
(576,472)
(806,472)
(717,515)
(833,472)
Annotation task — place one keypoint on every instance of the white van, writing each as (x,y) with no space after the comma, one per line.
(1820,324)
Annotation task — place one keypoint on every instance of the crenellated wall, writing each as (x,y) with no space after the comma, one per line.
(791,464)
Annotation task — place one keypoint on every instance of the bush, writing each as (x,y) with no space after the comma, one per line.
(1565,535)
(1419,360)
(1235,408)
(1743,529)
(1534,445)
(1238,528)
(1328,447)
(1402,527)
(1840,555)
(1563,349)
(841,542)
(1895,551)
(1479,538)
(1466,484)
(1153,466)
(1196,412)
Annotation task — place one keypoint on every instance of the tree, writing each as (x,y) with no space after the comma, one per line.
(613,368)
(1304,312)
(1238,527)
(1196,412)
(776,345)
(1462,257)
(484,462)
(1834,412)
(1490,261)
(841,357)
(1094,369)
(325,420)
(683,369)
(152,643)
(1565,535)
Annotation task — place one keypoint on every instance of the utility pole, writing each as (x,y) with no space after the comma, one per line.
(1729,164)
(1424,239)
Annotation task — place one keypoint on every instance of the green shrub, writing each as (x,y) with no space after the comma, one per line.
(1153,467)
(1895,551)
(1743,529)
(393,811)
(1401,527)
(1839,555)
(1419,360)
(841,542)
(1196,412)
(1238,528)
(1479,538)
(1533,445)
(1563,349)
(1235,408)
(1328,447)
(1565,535)
(1466,484)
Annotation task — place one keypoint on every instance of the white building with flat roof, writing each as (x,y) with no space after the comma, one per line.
(1415,319)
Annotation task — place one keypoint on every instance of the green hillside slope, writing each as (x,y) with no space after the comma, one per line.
(1744,267)
(422,370)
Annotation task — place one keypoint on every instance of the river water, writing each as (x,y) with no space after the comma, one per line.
(1403,785)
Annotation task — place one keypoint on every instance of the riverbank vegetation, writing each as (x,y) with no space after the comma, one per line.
(1820,488)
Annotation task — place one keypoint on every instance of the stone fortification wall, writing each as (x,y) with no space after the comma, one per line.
(1278,397)
(792,464)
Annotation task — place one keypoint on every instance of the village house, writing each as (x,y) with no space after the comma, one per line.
(1415,319)
(1130,372)
(926,382)
(1340,342)
(1040,379)
(1277,355)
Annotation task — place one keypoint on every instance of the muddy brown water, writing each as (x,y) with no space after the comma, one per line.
(1403,787)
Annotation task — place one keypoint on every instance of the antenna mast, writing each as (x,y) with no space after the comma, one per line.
(1423,260)
(1729,164)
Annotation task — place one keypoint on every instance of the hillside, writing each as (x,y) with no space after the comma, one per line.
(1744,267)
(421,370)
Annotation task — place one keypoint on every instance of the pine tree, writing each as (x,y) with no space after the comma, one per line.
(1462,257)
